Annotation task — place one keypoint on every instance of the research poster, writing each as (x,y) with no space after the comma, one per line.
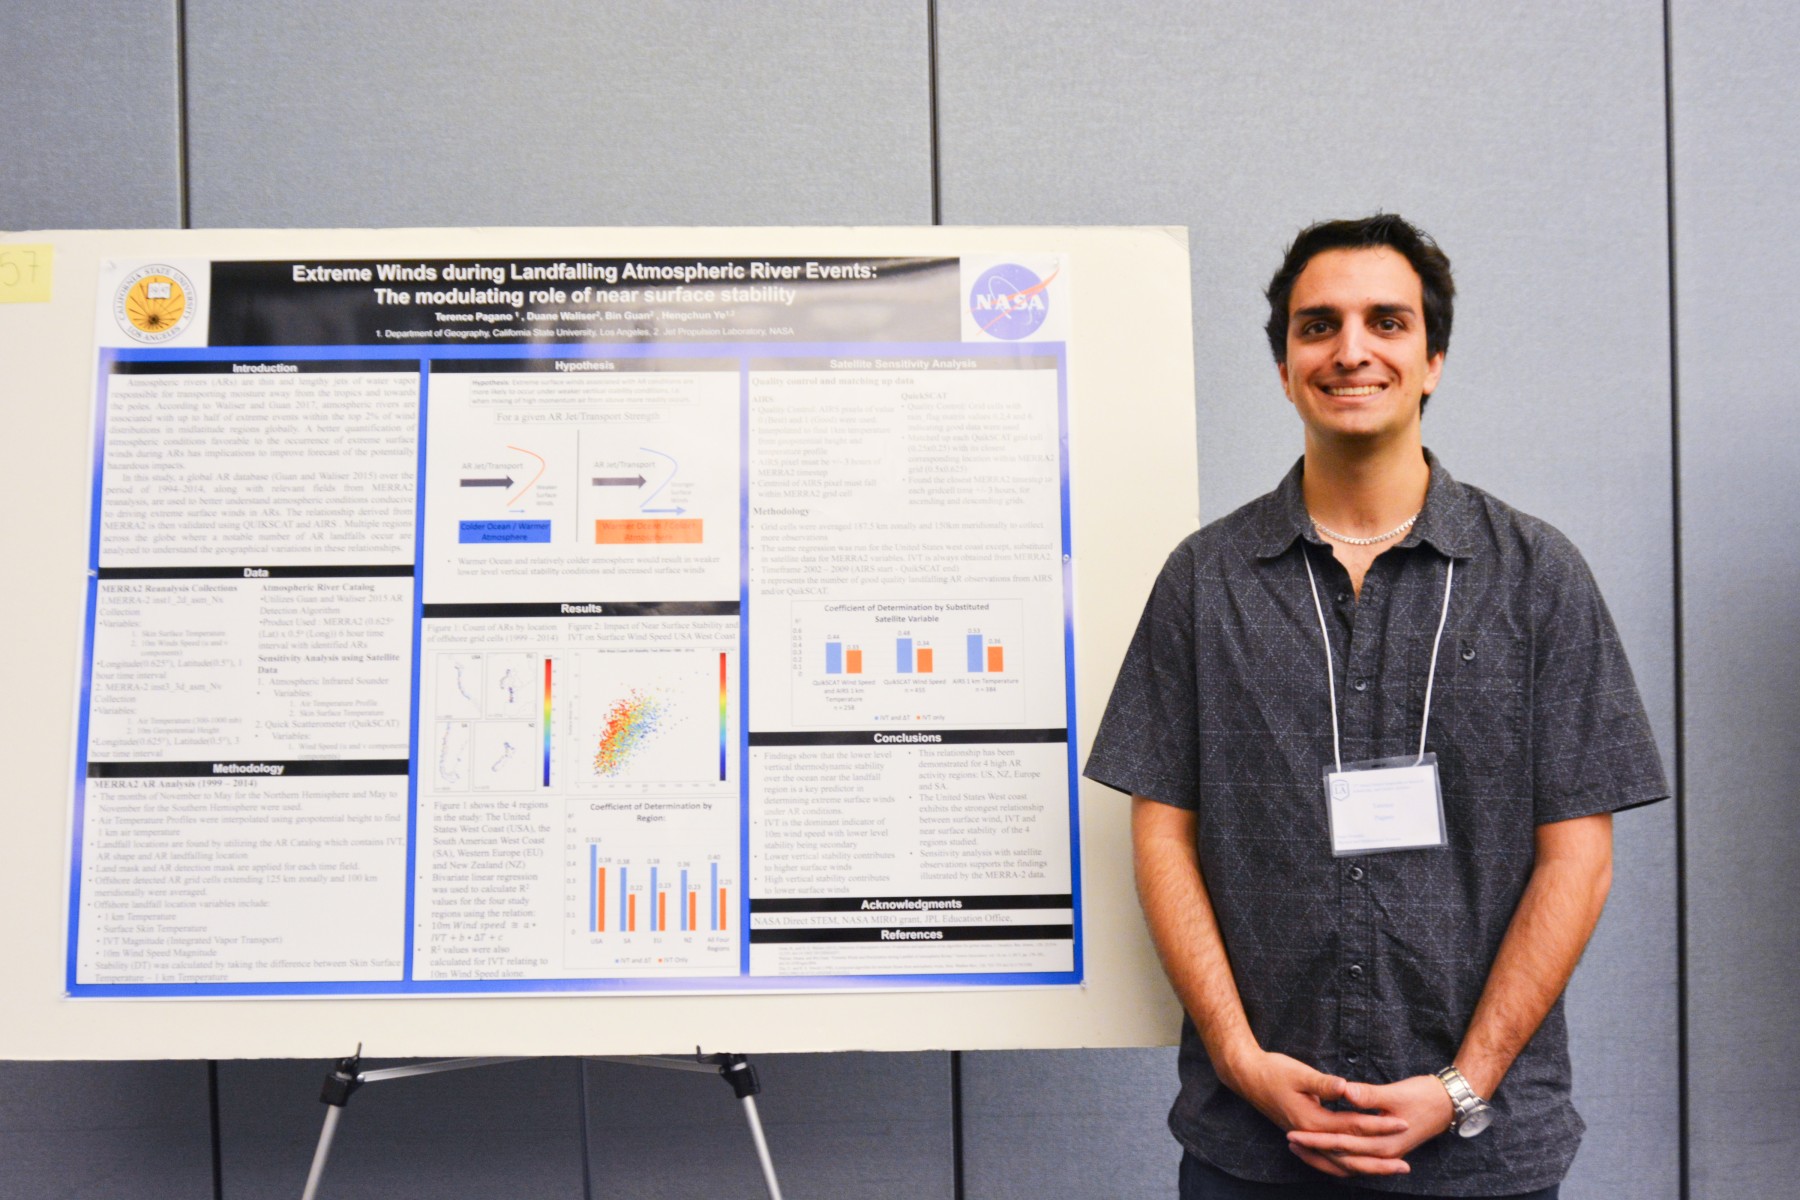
(512,625)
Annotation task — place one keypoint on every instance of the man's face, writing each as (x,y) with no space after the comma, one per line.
(1356,363)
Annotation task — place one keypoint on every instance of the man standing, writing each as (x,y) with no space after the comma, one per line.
(1374,724)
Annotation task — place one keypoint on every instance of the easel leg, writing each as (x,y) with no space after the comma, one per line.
(344,1079)
(762,1148)
(734,1069)
(332,1113)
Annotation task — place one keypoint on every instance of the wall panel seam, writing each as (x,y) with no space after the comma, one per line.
(931,60)
(182,174)
(1678,630)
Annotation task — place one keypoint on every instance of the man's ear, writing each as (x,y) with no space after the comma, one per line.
(1434,368)
(1281,371)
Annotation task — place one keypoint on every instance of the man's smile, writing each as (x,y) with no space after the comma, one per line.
(1360,389)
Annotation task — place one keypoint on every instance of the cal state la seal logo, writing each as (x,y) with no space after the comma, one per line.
(154,304)
(1009,301)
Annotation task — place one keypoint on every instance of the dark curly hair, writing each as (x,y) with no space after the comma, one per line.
(1365,233)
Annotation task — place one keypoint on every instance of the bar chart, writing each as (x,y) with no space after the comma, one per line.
(863,663)
(987,656)
(635,912)
(682,897)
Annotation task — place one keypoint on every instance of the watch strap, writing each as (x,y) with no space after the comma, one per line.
(1463,1098)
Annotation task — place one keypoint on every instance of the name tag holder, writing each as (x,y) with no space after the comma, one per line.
(1383,804)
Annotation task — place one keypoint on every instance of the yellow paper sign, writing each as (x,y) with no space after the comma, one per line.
(25,274)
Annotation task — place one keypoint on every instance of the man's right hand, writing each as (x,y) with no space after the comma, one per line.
(1186,933)
(1293,1096)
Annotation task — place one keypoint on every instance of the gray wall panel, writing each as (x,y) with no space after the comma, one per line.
(1530,140)
(92,128)
(558,113)
(845,1126)
(105,1131)
(1737,170)
(508,1130)
(1068,1123)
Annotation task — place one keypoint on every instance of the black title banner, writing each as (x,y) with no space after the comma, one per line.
(496,302)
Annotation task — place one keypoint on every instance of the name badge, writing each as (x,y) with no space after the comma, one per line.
(1385,804)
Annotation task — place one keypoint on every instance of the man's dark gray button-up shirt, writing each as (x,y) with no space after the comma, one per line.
(1370,967)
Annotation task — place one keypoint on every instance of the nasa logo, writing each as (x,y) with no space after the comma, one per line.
(1010,301)
(154,304)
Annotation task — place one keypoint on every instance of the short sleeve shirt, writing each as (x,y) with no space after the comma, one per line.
(1370,966)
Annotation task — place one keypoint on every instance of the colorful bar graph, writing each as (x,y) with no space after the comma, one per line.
(985,656)
(834,658)
(853,662)
(903,655)
(924,658)
(662,891)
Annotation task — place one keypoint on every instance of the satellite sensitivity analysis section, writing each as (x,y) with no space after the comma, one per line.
(721,644)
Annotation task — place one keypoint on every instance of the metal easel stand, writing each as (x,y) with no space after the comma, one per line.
(348,1076)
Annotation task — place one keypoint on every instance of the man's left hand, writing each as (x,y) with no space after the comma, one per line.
(1420,1101)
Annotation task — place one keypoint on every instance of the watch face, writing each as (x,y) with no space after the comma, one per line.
(1476,1121)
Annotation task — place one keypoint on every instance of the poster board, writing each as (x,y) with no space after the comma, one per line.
(1121,362)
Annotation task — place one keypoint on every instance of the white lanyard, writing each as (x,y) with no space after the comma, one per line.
(1337,752)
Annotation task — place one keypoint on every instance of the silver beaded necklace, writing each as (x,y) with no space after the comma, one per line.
(1335,536)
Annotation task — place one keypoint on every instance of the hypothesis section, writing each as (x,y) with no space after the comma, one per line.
(604,477)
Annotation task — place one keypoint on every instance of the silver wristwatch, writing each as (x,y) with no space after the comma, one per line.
(1473,1114)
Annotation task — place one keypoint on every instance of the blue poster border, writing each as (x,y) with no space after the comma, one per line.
(743,981)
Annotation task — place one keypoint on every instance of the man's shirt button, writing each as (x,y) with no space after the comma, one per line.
(1353,1058)
(1356,874)
(1356,971)
(1342,597)
(1361,685)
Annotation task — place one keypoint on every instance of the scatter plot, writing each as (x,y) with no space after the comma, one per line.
(632,721)
(650,717)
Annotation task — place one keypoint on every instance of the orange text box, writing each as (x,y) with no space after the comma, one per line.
(649,531)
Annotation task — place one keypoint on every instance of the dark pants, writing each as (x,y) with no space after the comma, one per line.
(1203,1181)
